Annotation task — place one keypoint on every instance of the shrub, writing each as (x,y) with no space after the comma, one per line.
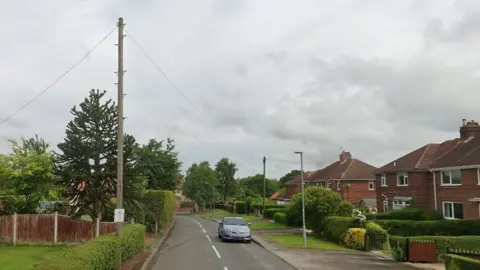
(240,207)
(355,238)
(456,262)
(335,228)
(270,212)
(280,218)
(408,213)
(100,253)
(159,205)
(437,227)
(374,230)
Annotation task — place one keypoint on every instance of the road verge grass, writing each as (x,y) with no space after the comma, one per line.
(296,241)
(26,257)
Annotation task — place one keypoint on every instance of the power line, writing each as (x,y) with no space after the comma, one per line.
(163,73)
(57,79)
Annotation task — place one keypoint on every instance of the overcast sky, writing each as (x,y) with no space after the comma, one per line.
(377,78)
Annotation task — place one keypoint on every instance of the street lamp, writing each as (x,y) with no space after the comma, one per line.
(303,199)
(213,196)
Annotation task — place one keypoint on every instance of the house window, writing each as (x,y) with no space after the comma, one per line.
(385,206)
(402,179)
(383,180)
(400,204)
(339,185)
(450,178)
(329,184)
(371,185)
(452,210)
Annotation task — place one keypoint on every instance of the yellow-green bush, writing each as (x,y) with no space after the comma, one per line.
(160,205)
(355,238)
(456,262)
(101,253)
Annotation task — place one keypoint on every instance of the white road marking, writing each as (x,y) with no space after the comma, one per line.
(225,268)
(203,230)
(208,237)
(216,251)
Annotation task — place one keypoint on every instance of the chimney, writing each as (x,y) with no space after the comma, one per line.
(469,129)
(344,156)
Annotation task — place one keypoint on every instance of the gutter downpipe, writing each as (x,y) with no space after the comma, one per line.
(434,191)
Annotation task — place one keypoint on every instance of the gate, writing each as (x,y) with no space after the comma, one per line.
(422,251)
(376,241)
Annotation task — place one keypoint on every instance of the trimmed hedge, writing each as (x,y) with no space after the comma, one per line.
(240,207)
(438,227)
(443,243)
(456,262)
(160,205)
(408,213)
(100,253)
(335,228)
(270,212)
(280,218)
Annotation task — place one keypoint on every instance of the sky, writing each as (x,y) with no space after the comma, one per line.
(261,77)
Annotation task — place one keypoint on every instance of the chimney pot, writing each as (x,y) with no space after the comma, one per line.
(464,122)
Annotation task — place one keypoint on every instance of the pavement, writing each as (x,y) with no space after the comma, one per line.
(194,244)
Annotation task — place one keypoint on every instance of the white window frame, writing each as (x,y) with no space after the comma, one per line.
(400,204)
(385,205)
(329,185)
(452,209)
(450,182)
(405,177)
(371,185)
(478,180)
(383,180)
(339,185)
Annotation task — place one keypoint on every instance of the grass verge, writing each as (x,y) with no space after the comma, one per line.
(296,241)
(26,257)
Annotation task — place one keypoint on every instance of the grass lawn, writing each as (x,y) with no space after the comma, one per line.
(296,241)
(26,257)
(258,223)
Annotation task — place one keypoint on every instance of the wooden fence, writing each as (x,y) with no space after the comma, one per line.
(53,228)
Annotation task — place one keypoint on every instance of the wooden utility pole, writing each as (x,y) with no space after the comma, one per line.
(264,182)
(120,73)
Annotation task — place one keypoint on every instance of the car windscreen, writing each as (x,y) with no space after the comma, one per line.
(235,221)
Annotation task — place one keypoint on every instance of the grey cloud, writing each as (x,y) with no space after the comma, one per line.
(240,69)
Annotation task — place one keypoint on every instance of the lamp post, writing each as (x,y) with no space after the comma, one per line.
(304,230)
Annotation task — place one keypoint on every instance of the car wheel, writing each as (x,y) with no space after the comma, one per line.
(248,241)
(219,236)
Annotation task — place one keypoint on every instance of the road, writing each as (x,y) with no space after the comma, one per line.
(194,244)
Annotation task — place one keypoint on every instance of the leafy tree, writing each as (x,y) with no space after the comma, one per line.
(201,183)
(225,171)
(87,163)
(252,186)
(159,164)
(289,176)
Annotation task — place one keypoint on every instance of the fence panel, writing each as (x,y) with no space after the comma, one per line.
(34,228)
(71,230)
(6,229)
(422,251)
(107,227)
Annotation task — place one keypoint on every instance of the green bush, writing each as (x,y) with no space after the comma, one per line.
(270,212)
(186,205)
(408,213)
(240,207)
(398,245)
(280,218)
(335,228)
(374,230)
(159,205)
(443,243)
(355,238)
(100,253)
(456,262)
(436,227)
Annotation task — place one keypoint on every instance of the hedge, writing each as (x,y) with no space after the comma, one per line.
(443,243)
(280,218)
(456,262)
(240,207)
(270,212)
(160,205)
(335,228)
(408,213)
(100,253)
(438,227)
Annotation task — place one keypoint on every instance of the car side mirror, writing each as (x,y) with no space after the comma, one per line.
(249,223)
(221,223)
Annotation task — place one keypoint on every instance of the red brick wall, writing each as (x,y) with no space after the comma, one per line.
(467,190)
(420,188)
(354,190)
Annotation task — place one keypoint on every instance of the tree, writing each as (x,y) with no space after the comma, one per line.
(87,163)
(201,183)
(225,171)
(289,176)
(159,164)
(252,186)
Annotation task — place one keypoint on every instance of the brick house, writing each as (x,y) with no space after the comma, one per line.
(442,177)
(351,178)
(293,186)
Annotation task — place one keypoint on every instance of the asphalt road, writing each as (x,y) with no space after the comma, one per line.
(194,244)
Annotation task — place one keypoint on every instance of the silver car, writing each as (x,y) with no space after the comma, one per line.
(234,228)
